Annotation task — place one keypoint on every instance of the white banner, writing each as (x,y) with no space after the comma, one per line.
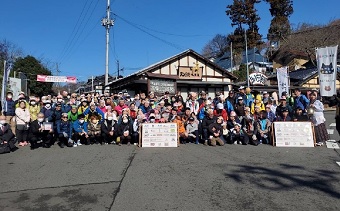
(57,79)
(159,135)
(326,58)
(282,80)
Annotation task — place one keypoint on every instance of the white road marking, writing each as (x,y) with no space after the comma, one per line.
(330,131)
(331,144)
(332,125)
(338,163)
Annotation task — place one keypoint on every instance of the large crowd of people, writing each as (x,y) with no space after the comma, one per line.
(71,120)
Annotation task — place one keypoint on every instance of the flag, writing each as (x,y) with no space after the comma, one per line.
(327,68)
(282,80)
(7,70)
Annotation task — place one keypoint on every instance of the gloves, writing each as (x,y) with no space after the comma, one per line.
(265,136)
(65,134)
(254,137)
(234,131)
(70,140)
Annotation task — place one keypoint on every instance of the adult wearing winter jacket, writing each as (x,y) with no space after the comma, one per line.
(125,130)
(64,131)
(109,129)
(207,120)
(9,110)
(80,135)
(22,123)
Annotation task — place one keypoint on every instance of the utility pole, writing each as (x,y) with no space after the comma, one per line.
(231,57)
(92,84)
(117,69)
(58,72)
(107,23)
(245,37)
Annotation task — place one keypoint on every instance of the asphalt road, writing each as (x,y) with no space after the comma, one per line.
(191,177)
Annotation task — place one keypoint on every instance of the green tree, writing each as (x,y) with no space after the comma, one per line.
(241,73)
(280,27)
(243,15)
(31,67)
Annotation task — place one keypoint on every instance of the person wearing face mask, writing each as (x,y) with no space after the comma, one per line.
(64,131)
(109,129)
(9,110)
(38,132)
(22,119)
(47,110)
(34,109)
(125,130)
(80,135)
(7,137)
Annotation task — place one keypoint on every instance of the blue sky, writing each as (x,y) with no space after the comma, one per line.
(47,29)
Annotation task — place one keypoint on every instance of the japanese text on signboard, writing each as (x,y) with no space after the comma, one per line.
(257,79)
(190,72)
(162,86)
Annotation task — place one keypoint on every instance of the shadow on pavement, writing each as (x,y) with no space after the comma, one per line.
(280,179)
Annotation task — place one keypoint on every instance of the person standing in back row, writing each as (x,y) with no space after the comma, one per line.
(300,100)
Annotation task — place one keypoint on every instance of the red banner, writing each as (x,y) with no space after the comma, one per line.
(57,79)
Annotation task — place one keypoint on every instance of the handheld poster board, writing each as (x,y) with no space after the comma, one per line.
(159,135)
(293,134)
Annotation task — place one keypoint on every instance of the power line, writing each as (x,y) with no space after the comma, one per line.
(71,37)
(152,35)
(77,35)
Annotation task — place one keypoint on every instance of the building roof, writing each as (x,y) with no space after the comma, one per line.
(165,61)
(253,56)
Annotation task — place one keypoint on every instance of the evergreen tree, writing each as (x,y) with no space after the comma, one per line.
(243,15)
(280,10)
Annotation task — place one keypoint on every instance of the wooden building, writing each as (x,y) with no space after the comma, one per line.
(185,72)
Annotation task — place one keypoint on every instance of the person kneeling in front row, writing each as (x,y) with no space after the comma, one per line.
(238,136)
(94,130)
(64,130)
(80,135)
(7,138)
(109,129)
(40,132)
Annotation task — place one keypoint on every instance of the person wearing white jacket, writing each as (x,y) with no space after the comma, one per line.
(318,119)
(22,123)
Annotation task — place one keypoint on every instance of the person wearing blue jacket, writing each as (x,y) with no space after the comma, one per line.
(80,135)
(94,110)
(64,131)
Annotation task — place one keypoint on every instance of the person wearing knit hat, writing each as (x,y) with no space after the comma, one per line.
(257,102)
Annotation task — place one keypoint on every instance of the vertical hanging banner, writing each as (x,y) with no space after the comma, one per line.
(7,70)
(326,58)
(282,80)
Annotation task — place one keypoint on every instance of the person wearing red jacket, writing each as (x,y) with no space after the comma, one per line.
(220,111)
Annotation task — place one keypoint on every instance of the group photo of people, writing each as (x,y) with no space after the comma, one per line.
(243,117)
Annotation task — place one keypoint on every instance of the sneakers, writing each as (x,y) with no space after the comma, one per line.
(78,143)
(235,142)
(319,144)
(75,144)
(21,144)
(197,142)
